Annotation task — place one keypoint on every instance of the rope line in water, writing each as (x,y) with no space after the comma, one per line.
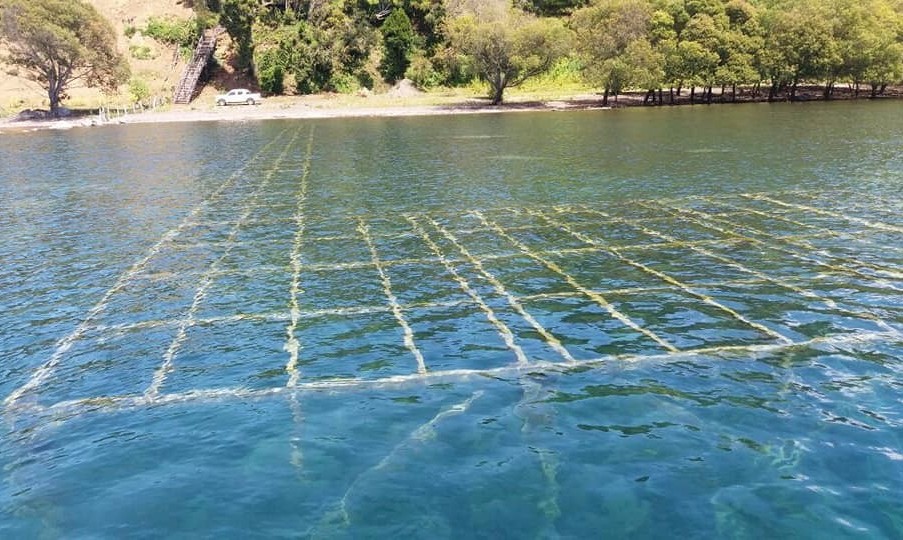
(706,221)
(422,433)
(352,265)
(292,345)
(500,289)
(69,408)
(282,316)
(45,371)
(846,264)
(809,247)
(503,330)
(866,222)
(364,230)
(781,283)
(208,279)
(596,297)
(822,230)
(669,279)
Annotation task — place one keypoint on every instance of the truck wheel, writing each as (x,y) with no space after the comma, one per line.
(250,101)
(221,102)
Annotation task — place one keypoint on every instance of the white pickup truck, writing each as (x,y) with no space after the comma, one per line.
(239,96)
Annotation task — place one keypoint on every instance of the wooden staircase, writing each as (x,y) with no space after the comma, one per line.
(202,54)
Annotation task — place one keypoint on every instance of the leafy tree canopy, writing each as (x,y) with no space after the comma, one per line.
(508,47)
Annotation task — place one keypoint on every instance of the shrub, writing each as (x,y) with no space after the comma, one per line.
(422,73)
(344,83)
(141,52)
(130,31)
(182,32)
(272,80)
(139,90)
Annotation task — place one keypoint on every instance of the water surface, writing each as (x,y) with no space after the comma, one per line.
(657,322)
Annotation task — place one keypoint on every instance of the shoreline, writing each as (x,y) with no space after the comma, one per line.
(298,111)
(325,107)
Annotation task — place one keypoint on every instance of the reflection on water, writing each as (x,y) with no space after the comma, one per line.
(511,326)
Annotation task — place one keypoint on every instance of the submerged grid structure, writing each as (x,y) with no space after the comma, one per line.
(254,294)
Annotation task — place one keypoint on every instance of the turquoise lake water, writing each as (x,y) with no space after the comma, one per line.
(652,323)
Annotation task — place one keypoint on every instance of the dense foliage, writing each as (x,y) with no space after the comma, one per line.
(772,46)
(59,42)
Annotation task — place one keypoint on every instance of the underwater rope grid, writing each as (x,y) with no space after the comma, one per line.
(393,301)
(46,370)
(207,280)
(505,332)
(281,315)
(867,222)
(760,277)
(671,280)
(598,298)
(711,222)
(789,286)
(429,233)
(821,230)
(500,289)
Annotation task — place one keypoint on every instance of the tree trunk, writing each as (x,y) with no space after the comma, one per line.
(661,101)
(605,97)
(882,89)
(53,95)
(692,93)
(734,93)
(497,95)
(497,86)
(671,94)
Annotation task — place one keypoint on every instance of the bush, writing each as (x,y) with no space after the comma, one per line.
(422,73)
(272,80)
(130,31)
(141,52)
(344,83)
(181,32)
(139,90)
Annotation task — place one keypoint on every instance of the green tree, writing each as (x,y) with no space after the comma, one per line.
(799,46)
(604,32)
(60,42)
(237,17)
(507,50)
(398,44)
